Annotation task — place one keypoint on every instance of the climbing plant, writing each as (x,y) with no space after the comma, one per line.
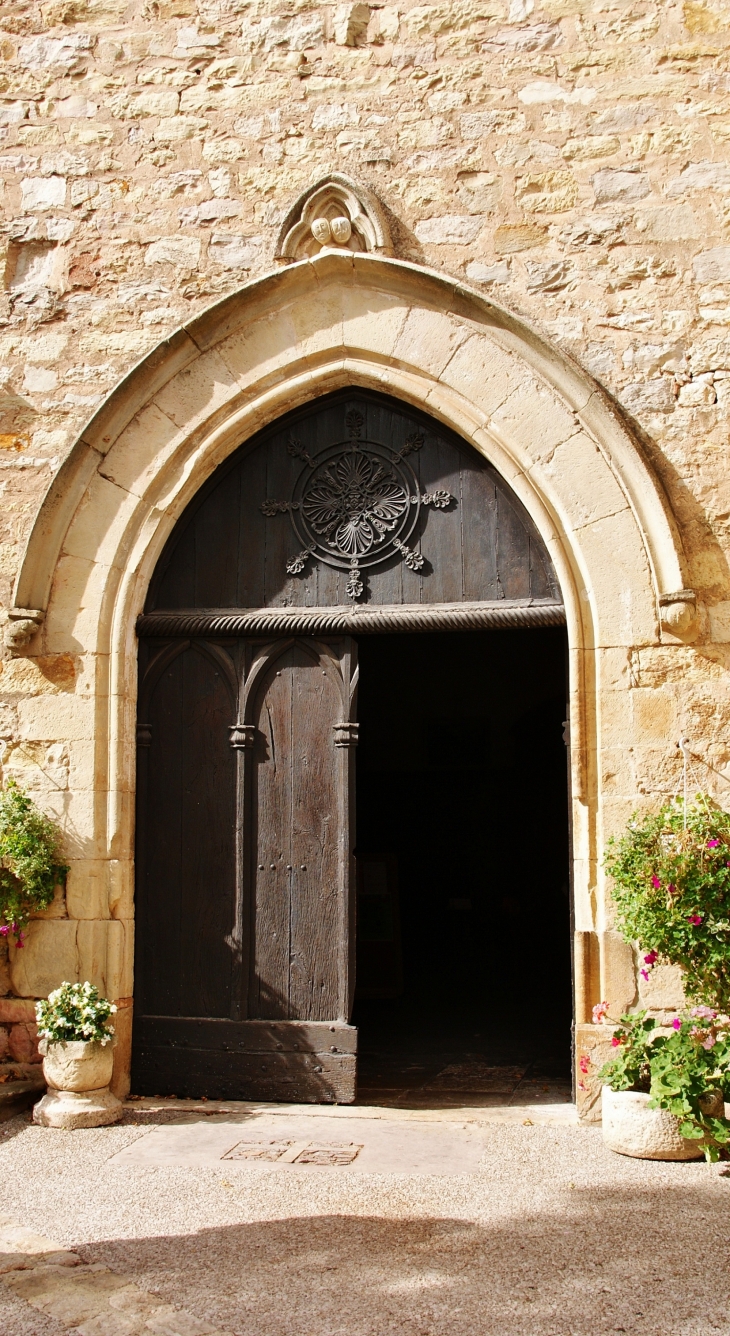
(30,862)
(671,889)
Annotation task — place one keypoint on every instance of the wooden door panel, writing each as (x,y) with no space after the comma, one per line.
(281,1060)
(272,886)
(480,553)
(317,831)
(158,863)
(300,846)
(440,466)
(226,552)
(186,871)
(270,847)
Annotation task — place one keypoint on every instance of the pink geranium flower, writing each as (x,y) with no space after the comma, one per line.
(676,1023)
(694,919)
(600,1011)
(615,1042)
(712,844)
(656,882)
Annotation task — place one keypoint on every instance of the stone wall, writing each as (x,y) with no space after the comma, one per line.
(569,159)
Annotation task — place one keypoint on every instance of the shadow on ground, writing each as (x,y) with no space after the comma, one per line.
(650,1261)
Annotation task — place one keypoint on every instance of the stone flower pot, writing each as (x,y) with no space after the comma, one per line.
(78,1074)
(632,1128)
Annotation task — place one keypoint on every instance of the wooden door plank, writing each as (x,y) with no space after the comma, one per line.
(271,842)
(543,583)
(282,472)
(513,552)
(248,1036)
(316,835)
(159,936)
(439,468)
(253,528)
(208,829)
(479,529)
(306,1078)
(385,581)
(217,545)
(173,585)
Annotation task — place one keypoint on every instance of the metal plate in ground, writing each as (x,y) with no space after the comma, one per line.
(385,1147)
(331,1153)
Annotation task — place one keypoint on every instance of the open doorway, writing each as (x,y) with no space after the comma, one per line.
(464,975)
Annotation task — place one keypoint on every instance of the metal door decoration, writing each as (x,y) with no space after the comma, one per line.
(355,503)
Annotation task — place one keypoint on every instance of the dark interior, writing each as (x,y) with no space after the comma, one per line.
(463,863)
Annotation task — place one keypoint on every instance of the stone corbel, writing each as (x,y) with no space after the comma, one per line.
(22,626)
(678,613)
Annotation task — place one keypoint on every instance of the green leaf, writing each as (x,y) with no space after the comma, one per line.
(30,862)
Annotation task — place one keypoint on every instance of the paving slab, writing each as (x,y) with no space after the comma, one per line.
(310,1143)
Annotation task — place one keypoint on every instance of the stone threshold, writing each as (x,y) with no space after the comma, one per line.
(538,1115)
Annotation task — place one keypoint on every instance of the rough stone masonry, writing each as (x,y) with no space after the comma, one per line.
(569,158)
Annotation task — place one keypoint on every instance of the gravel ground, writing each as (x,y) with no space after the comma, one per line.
(551,1236)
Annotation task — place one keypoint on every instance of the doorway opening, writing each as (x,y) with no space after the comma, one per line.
(463,956)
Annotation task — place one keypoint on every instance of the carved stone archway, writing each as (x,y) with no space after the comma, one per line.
(339,319)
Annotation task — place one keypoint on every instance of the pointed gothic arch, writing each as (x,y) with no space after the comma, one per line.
(348,319)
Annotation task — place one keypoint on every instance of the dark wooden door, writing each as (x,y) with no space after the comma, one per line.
(353,514)
(245,921)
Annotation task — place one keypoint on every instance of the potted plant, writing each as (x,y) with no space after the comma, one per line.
(77,1039)
(30,864)
(663,1095)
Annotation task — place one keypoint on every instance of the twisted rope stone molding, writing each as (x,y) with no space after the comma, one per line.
(351,621)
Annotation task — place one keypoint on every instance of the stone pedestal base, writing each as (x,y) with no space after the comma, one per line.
(84,1108)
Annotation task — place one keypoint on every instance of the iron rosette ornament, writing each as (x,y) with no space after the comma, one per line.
(356,504)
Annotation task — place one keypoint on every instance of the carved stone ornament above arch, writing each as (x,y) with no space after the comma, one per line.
(335,212)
